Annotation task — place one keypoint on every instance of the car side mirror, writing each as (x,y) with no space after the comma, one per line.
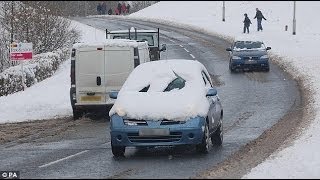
(228,49)
(113,94)
(211,92)
(163,47)
(268,48)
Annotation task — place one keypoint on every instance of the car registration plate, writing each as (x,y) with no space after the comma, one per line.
(154,132)
(250,62)
(91,98)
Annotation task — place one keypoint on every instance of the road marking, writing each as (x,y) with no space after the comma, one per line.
(181,45)
(192,56)
(59,160)
(172,40)
(186,49)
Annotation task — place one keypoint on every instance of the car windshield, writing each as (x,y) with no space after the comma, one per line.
(177,83)
(241,45)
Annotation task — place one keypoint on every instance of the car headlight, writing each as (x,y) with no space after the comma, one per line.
(264,57)
(236,57)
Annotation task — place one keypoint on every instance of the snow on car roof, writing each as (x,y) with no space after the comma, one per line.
(247,38)
(177,104)
(112,42)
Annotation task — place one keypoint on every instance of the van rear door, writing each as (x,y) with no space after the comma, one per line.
(119,64)
(90,73)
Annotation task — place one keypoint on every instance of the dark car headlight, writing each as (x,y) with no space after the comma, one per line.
(264,57)
(236,58)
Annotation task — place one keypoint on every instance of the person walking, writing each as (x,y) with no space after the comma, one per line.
(110,11)
(124,8)
(103,8)
(128,8)
(119,8)
(259,17)
(99,7)
(246,23)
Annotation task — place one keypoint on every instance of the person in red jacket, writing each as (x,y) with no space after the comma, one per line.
(123,8)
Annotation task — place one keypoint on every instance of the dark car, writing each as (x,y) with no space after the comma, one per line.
(249,56)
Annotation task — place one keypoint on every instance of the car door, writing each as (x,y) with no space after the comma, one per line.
(215,109)
(212,106)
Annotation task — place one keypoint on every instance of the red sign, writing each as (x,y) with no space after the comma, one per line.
(21,56)
(21,51)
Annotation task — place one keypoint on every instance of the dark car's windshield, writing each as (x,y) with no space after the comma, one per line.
(248,45)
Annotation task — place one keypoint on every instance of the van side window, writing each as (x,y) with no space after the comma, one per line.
(136,58)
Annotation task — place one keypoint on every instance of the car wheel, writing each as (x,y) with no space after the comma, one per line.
(217,136)
(76,114)
(203,147)
(118,151)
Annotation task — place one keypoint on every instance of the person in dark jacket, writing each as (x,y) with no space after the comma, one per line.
(99,8)
(259,17)
(128,8)
(119,8)
(110,11)
(246,23)
(103,8)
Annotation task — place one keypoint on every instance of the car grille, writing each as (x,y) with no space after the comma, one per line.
(168,122)
(173,137)
(249,57)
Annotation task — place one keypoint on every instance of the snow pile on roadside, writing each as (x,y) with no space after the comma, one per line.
(42,66)
(298,54)
(46,99)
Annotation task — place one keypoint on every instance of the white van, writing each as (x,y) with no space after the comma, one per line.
(100,67)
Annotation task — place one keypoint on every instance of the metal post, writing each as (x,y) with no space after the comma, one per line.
(11,21)
(223,11)
(23,84)
(294,18)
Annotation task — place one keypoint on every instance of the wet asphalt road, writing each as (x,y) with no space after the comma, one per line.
(252,102)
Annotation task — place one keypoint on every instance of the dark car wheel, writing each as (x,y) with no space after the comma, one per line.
(217,136)
(118,151)
(203,147)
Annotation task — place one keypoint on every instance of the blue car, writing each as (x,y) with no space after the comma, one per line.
(166,103)
(249,56)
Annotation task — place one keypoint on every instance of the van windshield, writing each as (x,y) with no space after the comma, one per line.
(148,38)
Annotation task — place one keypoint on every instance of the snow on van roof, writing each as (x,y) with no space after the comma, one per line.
(177,104)
(132,31)
(112,42)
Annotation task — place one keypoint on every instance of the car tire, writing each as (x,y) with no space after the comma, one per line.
(217,136)
(118,151)
(76,114)
(203,147)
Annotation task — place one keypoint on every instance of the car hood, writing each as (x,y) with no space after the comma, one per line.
(249,53)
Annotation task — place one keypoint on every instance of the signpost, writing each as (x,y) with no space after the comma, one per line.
(21,52)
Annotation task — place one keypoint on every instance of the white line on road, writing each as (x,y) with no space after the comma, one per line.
(186,49)
(172,40)
(181,45)
(59,160)
(192,56)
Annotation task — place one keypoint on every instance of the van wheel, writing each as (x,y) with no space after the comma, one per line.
(203,147)
(118,151)
(77,114)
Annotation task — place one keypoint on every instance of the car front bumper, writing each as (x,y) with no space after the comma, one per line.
(255,66)
(188,133)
